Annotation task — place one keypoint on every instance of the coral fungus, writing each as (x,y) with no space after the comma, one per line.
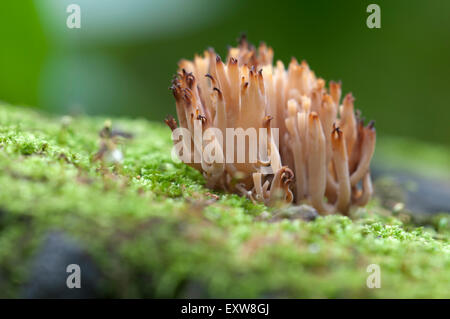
(311,149)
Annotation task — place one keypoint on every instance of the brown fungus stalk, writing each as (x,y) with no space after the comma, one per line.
(322,143)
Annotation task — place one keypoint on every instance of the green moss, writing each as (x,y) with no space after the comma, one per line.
(155,231)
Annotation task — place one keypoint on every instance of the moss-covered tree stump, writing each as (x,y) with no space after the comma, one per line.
(147,227)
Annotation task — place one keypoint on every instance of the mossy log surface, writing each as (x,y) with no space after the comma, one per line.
(151,229)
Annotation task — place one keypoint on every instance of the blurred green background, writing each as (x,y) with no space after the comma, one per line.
(122,59)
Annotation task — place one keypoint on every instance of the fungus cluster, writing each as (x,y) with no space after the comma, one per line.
(318,150)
